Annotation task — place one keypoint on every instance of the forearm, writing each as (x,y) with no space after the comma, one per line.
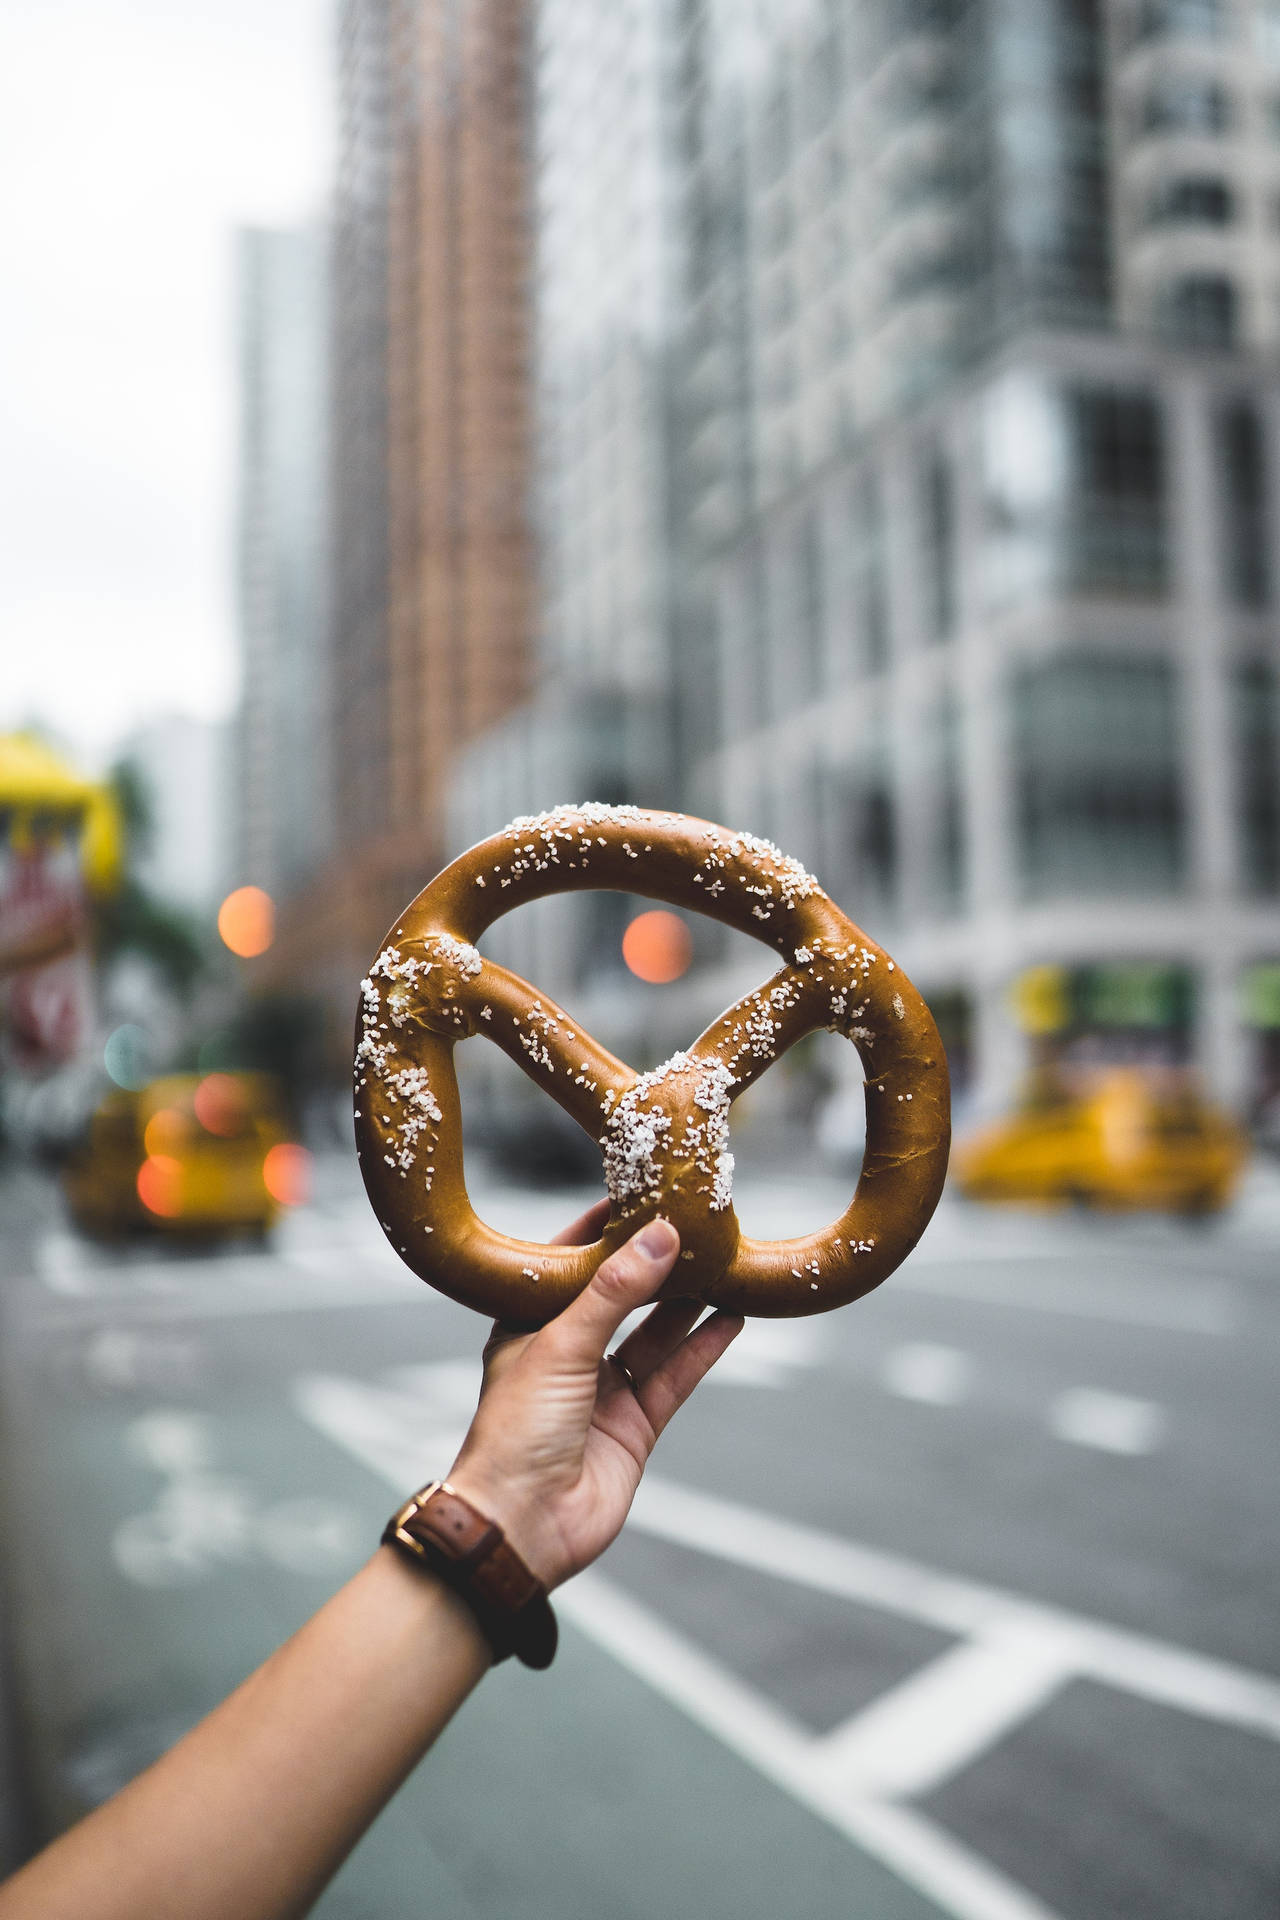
(249,1815)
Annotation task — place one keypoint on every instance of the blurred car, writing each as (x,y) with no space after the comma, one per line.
(1127,1140)
(189,1154)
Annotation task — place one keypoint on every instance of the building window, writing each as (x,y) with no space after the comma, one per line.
(1097,778)
(1187,103)
(1257,744)
(1201,310)
(1197,200)
(872,839)
(835,171)
(868,589)
(946,803)
(1267,31)
(1115,525)
(808,649)
(776,225)
(1242,477)
(779,299)
(821,82)
(1182,20)
(942,266)
(938,545)
(1074,491)
(775,136)
(757,663)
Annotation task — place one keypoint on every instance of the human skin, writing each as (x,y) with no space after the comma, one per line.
(250,1815)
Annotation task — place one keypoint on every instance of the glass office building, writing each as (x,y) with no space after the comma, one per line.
(957,438)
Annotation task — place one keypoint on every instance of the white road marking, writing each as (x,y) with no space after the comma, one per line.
(1112,1422)
(123,1359)
(936,1375)
(1013,1653)
(1152,1669)
(403,1433)
(768,1353)
(310,1534)
(64,1263)
(945,1715)
(171,1440)
(752,1727)
(201,1519)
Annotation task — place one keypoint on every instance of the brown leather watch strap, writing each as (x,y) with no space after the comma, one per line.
(443,1531)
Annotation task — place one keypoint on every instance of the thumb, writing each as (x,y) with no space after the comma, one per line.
(628,1279)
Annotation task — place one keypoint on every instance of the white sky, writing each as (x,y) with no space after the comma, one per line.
(135,135)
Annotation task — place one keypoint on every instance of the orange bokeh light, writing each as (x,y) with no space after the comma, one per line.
(247,921)
(286,1174)
(160,1185)
(657,946)
(220,1104)
(166,1131)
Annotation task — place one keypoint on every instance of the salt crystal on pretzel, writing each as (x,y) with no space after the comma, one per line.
(664,1135)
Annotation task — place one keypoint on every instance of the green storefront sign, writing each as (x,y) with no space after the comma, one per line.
(1150,996)
(1154,997)
(1261,995)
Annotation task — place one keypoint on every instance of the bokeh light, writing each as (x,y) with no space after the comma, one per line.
(657,946)
(286,1174)
(247,921)
(160,1185)
(221,1104)
(166,1132)
(125,1058)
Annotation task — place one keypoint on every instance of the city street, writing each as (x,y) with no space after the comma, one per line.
(962,1601)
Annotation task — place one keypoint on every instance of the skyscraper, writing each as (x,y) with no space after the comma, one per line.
(430,590)
(963,436)
(282,785)
(434,556)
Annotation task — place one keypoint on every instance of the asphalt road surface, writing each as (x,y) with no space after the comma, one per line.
(963,1601)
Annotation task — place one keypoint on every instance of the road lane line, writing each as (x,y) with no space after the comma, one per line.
(1015,1653)
(921,1855)
(397,1434)
(934,1375)
(400,1433)
(934,1861)
(942,1717)
(1111,1422)
(1153,1669)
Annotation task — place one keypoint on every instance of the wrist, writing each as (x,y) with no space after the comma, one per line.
(443,1531)
(428,1602)
(514,1508)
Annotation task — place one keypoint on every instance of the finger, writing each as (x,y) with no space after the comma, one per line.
(620,1284)
(587,1227)
(669,1385)
(658,1334)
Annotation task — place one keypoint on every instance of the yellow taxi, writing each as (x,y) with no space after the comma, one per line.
(1125,1138)
(191,1153)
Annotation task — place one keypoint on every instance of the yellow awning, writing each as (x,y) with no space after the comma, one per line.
(34,780)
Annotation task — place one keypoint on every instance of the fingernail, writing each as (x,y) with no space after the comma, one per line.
(657,1240)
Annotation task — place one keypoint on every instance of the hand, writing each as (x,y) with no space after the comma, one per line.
(559,1440)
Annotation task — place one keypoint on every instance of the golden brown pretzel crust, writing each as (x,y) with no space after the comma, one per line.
(664,1135)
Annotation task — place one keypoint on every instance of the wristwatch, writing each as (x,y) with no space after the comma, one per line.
(438,1528)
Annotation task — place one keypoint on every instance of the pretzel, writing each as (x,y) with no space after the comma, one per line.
(664,1135)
